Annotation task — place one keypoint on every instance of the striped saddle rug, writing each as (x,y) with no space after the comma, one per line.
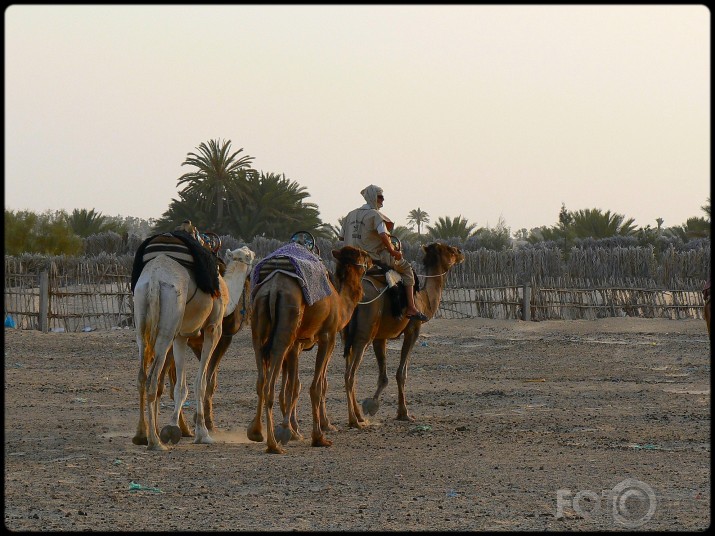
(184,249)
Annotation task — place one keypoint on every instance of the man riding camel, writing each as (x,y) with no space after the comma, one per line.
(368,228)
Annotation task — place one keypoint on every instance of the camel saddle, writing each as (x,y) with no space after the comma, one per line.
(380,275)
(187,251)
(298,262)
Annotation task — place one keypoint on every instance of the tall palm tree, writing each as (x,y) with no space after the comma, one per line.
(448,228)
(417,217)
(218,173)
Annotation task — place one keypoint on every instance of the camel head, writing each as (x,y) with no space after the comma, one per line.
(242,254)
(349,255)
(441,255)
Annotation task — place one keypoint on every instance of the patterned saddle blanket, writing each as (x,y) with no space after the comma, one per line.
(296,261)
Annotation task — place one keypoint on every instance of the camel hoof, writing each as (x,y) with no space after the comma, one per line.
(206,440)
(370,406)
(254,435)
(170,434)
(282,434)
(275,450)
(140,440)
(357,424)
(296,436)
(407,417)
(329,427)
(158,446)
(322,442)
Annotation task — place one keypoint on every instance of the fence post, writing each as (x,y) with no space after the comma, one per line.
(526,308)
(44,301)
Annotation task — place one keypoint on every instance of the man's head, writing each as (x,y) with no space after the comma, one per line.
(373,196)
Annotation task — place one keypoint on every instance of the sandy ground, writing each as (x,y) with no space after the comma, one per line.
(558,425)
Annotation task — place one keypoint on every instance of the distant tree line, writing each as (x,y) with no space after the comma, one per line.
(222,193)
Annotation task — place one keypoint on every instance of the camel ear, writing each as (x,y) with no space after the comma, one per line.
(423,248)
(335,253)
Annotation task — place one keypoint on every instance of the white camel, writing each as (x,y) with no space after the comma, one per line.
(169,309)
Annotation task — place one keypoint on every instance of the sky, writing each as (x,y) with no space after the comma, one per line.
(497,114)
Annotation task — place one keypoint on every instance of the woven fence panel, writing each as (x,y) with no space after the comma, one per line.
(87,293)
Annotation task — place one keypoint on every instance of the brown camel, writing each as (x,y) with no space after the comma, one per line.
(283,325)
(374,321)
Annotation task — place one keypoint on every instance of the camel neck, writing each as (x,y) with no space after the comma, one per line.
(431,295)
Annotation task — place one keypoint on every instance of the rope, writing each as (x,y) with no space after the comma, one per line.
(376,297)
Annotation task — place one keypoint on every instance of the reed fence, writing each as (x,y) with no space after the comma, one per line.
(93,293)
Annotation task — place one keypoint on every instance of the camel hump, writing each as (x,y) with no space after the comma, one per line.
(187,251)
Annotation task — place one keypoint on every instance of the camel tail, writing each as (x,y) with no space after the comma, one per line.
(349,334)
(273,308)
(151,322)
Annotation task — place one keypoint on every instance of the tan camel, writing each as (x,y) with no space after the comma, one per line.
(283,325)
(232,324)
(169,309)
(374,321)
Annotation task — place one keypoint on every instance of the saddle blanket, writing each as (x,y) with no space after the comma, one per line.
(185,250)
(296,261)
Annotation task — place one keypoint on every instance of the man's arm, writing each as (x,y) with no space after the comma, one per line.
(388,245)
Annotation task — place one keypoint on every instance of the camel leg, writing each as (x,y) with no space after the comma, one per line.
(325,351)
(352,363)
(212,334)
(171,433)
(295,386)
(260,335)
(161,348)
(283,395)
(325,423)
(371,405)
(706,315)
(294,406)
(291,389)
(212,379)
(170,369)
(254,432)
(140,437)
(411,335)
(269,392)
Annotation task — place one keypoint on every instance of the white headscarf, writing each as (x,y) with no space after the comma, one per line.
(370,194)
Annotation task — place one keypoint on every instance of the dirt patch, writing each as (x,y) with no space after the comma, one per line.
(514,422)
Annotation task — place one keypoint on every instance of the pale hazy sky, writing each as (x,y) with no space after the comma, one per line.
(471,110)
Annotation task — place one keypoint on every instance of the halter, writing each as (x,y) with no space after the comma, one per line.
(435,275)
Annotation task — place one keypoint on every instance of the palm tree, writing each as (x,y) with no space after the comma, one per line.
(274,207)
(335,231)
(85,222)
(217,174)
(593,223)
(447,228)
(694,227)
(706,208)
(418,217)
(186,207)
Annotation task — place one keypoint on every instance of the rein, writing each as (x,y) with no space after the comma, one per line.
(376,297)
